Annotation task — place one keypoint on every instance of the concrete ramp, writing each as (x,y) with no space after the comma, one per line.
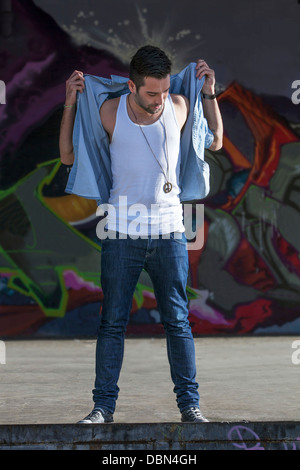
(182,438)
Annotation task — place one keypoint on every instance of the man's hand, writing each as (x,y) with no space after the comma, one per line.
(210,106)
(203,69)
(73,84)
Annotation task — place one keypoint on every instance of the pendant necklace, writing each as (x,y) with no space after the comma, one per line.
(167,187)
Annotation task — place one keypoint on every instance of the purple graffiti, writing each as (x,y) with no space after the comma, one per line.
(240,434)
(294,445)
(244,437)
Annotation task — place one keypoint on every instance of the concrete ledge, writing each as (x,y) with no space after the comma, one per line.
(284,435)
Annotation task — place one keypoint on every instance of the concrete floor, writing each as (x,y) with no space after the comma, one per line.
(241,378)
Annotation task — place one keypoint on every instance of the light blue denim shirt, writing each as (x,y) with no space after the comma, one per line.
(91,175)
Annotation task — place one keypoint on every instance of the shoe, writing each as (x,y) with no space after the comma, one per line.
(193,415)
(97,416)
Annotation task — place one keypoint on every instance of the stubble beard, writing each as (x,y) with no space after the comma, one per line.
(149,109)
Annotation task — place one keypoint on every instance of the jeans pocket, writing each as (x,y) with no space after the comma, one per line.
(178,237)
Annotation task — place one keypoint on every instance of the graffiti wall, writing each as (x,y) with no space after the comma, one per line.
(245,279)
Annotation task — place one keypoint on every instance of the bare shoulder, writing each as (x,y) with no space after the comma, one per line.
(179,100)
(108,112)
(181,106)
(109,106)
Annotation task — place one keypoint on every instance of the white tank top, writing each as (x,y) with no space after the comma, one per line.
(140,206)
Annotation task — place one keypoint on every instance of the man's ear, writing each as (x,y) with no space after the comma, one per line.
(131,86)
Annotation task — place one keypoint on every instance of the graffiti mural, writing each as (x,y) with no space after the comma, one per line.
(250,263)
(245,278)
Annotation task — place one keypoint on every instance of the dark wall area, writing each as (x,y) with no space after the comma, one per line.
(246,277)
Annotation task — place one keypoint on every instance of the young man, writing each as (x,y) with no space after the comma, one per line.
(144,130)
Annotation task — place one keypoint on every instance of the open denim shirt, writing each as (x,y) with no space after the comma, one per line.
(91,176)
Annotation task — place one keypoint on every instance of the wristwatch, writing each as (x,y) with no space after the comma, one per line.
(208,97)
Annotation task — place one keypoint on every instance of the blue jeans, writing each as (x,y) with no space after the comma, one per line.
(166,261)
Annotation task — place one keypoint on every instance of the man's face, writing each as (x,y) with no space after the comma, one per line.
(152,95)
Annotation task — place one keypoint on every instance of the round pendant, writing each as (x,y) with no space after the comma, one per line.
(167,187)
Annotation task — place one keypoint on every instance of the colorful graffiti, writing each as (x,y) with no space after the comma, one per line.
(250,262)
(246,277)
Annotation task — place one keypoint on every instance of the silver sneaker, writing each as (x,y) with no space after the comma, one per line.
(97,416)
(193,415)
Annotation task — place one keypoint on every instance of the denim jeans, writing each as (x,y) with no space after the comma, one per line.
(166,261)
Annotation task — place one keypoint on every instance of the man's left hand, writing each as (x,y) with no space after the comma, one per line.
(202,69)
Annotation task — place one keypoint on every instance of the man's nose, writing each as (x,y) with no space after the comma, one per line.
(160,99)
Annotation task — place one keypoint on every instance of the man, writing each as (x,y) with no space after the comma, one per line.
(144,128)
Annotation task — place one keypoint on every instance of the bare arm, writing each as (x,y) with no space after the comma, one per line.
(210,106)
(73,84)
(108,112)
(181,106)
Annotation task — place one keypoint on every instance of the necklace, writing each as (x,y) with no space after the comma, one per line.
(167,187)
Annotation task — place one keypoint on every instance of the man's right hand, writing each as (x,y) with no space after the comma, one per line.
(73,84)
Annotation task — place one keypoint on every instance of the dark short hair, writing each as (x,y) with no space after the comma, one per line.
(149,61)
